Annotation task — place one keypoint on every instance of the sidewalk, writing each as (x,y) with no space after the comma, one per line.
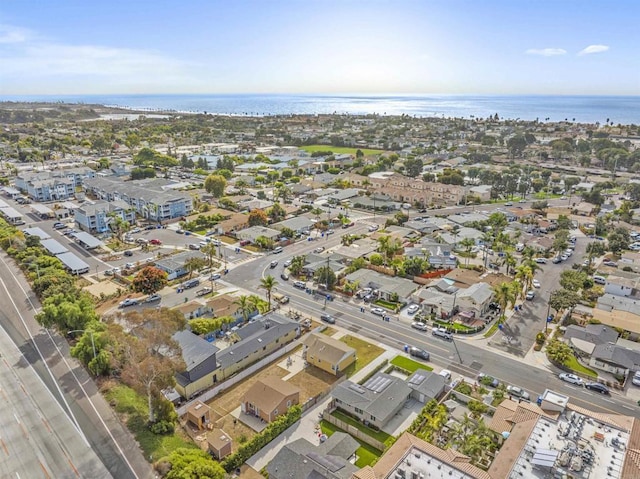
(306,427)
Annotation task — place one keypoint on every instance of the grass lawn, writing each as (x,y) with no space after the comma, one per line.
(132,408)
(365,353)
(379,435)
(579,368)
(255,249)
(329,331)
(340,149)
(454,326)
(409,364)
(491,330)
(386,304)
(366,453)
(228,239)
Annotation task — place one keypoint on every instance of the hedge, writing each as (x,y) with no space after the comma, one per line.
(268,434)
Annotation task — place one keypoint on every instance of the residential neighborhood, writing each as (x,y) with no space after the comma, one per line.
(446,298)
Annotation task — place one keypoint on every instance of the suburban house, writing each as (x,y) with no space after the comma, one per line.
(299,224)
(476,299)
(584,339)
(208,365)
(269,398)
(193,309)
(252,233)
(219,444)
(438,255)
(622,283)
(300,459)
(481,191)
(225,305)
(174,265)
(153,198)
(199,356)
(382,396)
(388,287)
(434,301)
(327,353)
(255,341)
(97,217)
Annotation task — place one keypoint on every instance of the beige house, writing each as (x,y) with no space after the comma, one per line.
(327,353)
(270,397)
(220,444)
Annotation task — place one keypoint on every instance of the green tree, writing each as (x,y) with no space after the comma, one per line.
(189,463)
(413,167)
(574,280)
(562,299)
(564,223)
(268,284)
(149,280)
(245,306)
(215,184)
(558,351)
(325,275)
(618,240)
(297,265)
(264,243)
(277,213)
(209,250)
(415,266)
(67,311)
(258,217)
(594,250)
(506,294)
(194,264)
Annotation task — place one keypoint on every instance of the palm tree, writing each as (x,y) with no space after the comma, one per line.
(467,244)
(245,306)
(297,265)
(258,303)
(351,287)
(209,250)
(525,276)
(510,261)
(268,284)
(505,295)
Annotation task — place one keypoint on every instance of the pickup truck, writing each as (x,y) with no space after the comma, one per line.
(203,291)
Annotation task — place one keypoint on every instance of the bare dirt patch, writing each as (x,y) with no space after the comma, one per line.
(312,381)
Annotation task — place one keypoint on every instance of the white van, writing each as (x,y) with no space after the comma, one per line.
(599,280)
(277,249)
(520,247)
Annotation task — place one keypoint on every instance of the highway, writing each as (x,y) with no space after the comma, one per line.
(90,434)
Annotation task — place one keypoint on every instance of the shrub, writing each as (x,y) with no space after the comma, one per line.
(162,427)
(540,338)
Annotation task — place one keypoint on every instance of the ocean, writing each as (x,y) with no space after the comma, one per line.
(582,109)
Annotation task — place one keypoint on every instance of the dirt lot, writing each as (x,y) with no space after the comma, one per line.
(311,382)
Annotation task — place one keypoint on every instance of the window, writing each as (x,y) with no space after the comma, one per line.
(358,411)
(289,403)
(373,418)
(275,412)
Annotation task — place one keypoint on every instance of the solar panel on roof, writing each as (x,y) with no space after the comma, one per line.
(417,379)
(356,388)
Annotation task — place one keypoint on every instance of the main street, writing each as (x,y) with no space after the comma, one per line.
(79,403)
(475,353)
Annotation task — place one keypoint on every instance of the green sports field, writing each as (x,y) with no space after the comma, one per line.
(340,149)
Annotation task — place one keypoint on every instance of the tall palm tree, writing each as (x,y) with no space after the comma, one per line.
(505,295)
(258,303)
(510,261)
(525,276)
(467,244)
(245,306)
(268,284)
(209,250)
(297,265)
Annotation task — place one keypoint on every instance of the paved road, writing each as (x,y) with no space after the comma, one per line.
(69,384)
(475,355)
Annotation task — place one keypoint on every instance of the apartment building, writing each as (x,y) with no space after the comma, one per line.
(96,217)
(152,199)
(57,185)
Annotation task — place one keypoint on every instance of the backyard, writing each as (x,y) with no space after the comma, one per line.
(366,453)
(365,353)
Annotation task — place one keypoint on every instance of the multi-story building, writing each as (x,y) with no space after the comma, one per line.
(412,191)
(152,199)
(96,217)
(54,185)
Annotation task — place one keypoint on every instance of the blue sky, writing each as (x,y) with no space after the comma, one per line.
(320,46)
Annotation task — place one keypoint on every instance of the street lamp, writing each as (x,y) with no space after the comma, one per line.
(93,344)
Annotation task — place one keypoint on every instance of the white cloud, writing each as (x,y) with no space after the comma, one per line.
(546,52)
(593,49)
(11,34)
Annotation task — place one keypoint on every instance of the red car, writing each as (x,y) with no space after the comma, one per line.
(155,241)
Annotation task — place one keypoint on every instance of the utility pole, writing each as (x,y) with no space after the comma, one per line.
(457,352)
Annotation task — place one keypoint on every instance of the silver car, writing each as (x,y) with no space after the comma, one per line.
(571,378)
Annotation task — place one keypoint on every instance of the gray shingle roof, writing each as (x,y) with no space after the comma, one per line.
(195,350)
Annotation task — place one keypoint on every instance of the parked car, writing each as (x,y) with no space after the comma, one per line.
(192,283)
(636,378)
(571,378)
(214,277)
(378,311)
(413,309)
(203,291)
(128,302)
(142,241)
(508,203)
(327,318)
(284,276)
(541,260)
(299,284)
(597,387)
(180,232)
(287,263)
(420,326)
(367,298)
(58,226)
(556,259)
(442,333)
(273,264)
(245,242)
(319,249)
(153,298)
(613,264)
(373,228)
(599,280)
(129,266)
(536,283)
(155,241)
(530,295)
(564,257)
(418,353)
(488,380)
(128,253)
(519,393)
(446,374)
